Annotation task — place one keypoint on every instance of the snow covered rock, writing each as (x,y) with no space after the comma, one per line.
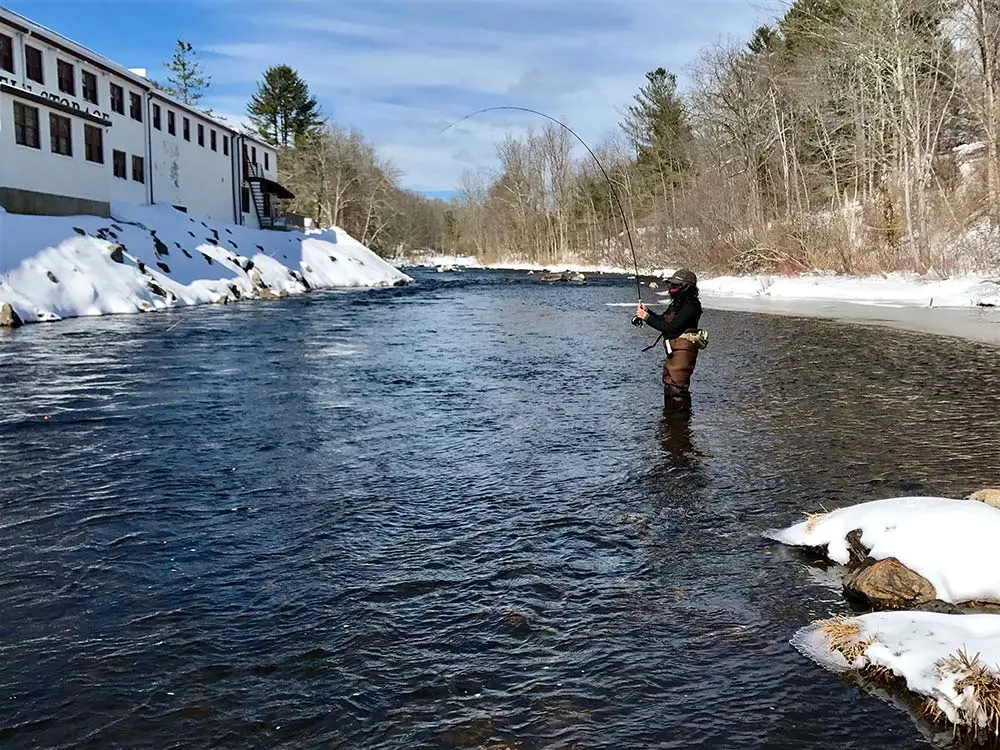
(950,543)
(951,661)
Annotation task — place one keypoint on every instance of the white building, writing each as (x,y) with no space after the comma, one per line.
(78,132)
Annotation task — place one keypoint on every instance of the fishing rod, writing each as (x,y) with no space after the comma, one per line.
(636,320)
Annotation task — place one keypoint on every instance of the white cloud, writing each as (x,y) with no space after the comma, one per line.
(401,71)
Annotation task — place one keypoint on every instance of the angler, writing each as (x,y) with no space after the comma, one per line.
(682,338)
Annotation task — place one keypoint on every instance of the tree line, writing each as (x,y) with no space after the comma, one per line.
(849,135)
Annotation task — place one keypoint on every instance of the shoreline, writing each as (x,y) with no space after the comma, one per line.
(978,324)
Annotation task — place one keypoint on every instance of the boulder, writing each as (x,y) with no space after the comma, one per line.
(888,584)
(990,496)
(9,317)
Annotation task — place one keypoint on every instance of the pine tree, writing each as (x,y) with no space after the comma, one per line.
(184,75)
(658,129)
(283,110)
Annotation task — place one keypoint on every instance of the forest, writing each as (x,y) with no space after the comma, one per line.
(854,136)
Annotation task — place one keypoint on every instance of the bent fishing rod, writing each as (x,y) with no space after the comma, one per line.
(636,320)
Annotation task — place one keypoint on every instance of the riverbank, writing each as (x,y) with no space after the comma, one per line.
(966,307)
(147,258)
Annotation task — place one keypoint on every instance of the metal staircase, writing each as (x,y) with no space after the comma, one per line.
(254,175)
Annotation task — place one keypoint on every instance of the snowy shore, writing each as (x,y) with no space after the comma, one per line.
(949,660)
(965,307)
(149,258)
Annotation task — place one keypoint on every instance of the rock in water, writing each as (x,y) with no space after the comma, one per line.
(990,496)
(9,317)
(888,584)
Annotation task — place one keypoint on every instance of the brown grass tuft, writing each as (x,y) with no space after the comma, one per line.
(842,635)
(985,686)
(932,712)
(811,519)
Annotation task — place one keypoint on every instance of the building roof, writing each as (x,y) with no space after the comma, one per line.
(35,29)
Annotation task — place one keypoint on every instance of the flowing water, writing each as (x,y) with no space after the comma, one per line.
(450,515)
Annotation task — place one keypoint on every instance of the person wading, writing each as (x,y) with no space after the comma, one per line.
(682,338)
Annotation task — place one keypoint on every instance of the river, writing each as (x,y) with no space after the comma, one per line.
(449,515)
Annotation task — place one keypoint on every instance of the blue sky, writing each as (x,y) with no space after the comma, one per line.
(402,70)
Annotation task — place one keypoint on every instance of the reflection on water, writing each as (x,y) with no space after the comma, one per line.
(452,515)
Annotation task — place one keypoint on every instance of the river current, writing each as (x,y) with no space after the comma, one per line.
(449,515)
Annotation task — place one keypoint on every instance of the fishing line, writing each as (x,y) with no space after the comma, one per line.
(636,321)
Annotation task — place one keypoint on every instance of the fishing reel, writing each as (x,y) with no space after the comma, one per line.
(637,321)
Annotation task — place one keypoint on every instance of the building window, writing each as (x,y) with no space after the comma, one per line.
(26,130)
(171,123)
(93,144)
(33,64)
(253,154)
(245,200)
(187,129)
(157,123)
(117,99)
(201,134)
(138,169)
(67,79)
(90,87)
(212,140)
(225,145)
(118,163)
(61,134)
(135,106)
(6,53)
(267,160)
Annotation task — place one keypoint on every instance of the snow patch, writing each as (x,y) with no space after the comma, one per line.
(952,543)
(155,257)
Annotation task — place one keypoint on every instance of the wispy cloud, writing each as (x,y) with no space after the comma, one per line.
(401,70)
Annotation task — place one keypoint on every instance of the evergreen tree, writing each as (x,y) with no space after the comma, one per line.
(283,110)
(185,79)
(658,129)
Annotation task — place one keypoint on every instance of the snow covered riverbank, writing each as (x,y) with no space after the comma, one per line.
(943,550)
(154,257)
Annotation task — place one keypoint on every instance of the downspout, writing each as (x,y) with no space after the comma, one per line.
(148,124)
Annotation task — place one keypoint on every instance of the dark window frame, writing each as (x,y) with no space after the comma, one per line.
(201,135)
(66,77)
(267,160)
(157,117)
(93,143)
(89,92)
(186,127)
(171,122)
(7,53)
(245,199)
(27,133)
(118,164)
(225,145)
(138,169)
(213,140)
(135,106)
(117,98)
(60,134)
(34,64)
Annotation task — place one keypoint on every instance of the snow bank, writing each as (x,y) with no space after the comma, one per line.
(951,543)
(950,659)
(155,257)
(892,289)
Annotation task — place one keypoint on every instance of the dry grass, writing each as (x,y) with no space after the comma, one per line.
(812,519)
(842,636)
(985,686)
